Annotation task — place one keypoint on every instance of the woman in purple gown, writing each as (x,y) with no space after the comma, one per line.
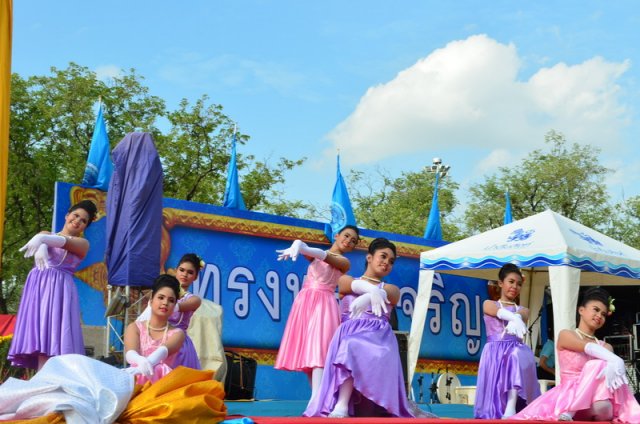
(186,273)
(507,371)
(363,373)
(48,320)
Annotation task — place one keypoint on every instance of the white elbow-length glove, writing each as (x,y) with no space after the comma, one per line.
(140,363)
(32,245)
(377,296)
(614,372)
(300,247)
(359,305)
(41,258)
(516,325)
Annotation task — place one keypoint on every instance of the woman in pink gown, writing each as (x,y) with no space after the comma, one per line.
(152,346)
(593,384)
(315,315)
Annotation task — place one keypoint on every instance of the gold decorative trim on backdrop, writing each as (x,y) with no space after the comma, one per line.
(457,367)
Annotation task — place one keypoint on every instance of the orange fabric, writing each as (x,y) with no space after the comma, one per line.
(53,418)
(183,396)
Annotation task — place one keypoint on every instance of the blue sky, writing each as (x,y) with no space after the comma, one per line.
(391,84)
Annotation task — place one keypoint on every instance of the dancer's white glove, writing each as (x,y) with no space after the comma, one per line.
(300,247)
(359,305)
(516,325)
(158,355)
(377,295)
(290,252)
(614,372)
(140,362)
(41,257)
(32,245)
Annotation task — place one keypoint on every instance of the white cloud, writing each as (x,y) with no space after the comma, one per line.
(467,94)
(107,72)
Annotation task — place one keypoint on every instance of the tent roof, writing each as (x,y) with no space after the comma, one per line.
(537,242)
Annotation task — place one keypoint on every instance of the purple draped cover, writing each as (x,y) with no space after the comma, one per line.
(134,212)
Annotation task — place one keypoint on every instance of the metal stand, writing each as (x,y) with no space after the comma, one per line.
(121,310)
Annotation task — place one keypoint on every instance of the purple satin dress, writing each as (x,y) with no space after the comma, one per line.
(187,355)
(365,349)
(48,320)
(506,363)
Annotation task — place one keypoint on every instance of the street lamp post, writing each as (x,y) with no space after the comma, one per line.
(433,231)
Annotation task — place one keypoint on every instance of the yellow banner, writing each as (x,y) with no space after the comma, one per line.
(6,29)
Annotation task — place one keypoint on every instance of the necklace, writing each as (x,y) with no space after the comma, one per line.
(157,329)
(373,280)
(582,335)
(165,329)
(506,302)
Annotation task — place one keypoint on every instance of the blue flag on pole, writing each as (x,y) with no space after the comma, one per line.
(97,173)
(508,218)
(341,211)
(232,195)
(433,231)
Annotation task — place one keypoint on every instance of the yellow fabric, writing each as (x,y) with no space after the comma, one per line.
(6,29)
(53,418)
(183,396)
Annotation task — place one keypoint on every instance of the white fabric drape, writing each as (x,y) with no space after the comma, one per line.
(565,283)
(418,319)
(85,390)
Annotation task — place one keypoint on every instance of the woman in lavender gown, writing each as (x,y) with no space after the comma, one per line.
(363,372)
(507,371)
(48,320)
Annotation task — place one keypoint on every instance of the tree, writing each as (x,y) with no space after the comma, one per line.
(567,179)
(625,222)
(196,154)
(52,120)
(402,205)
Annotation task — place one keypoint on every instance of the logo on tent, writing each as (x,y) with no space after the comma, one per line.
(587,238)
(520,235)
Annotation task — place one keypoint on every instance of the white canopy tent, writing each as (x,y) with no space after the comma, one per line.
(549,248)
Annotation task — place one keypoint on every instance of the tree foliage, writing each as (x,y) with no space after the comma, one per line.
(565,178)
(402,205)
(52,121)
(196,155)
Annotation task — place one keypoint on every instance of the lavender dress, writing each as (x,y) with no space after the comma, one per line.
(48,321)
(187,355)
(365,349)
(506,363)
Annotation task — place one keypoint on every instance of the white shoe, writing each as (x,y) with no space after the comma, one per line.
(339,413)
(565,417)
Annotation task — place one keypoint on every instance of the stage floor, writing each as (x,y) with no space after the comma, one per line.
(294,408)
(289,412)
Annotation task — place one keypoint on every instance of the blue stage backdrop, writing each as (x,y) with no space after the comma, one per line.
(256,291)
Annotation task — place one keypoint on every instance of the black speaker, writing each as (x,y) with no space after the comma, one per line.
(403,350)
(240,381)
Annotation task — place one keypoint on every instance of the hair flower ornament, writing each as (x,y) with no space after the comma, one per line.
(612,307)
(201,263)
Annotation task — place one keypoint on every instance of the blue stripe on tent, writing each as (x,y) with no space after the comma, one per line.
(586,264)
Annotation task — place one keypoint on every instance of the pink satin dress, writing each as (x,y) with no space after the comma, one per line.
(313,320)
(580,387)
(148,346)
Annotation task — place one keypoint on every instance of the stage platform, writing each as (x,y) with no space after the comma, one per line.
(289,412)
